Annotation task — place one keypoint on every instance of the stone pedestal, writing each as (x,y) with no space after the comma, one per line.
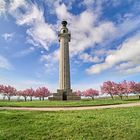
(64,95)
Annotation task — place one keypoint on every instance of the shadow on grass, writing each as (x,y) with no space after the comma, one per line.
(131,100)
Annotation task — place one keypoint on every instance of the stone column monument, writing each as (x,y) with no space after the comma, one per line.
(64,92)
(64,65)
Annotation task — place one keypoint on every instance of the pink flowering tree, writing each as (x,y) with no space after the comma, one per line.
(126,88)
(1,88)
(42,92)
(2,91)
(109,87)
(9,91)
(137,89)
(132,86)
(19,94)
(91,93)
(120,89)
(30,92)
(24,94)
(79,93)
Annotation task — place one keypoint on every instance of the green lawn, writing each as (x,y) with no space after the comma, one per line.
(106,124)
(47,103)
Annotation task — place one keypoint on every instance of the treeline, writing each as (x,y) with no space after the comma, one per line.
(9,91)
(124,88)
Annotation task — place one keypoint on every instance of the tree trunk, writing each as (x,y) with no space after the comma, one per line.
(92,97)
(25,98)
(139,97)
(31,98)
(43,98)
(111,96)
(18,98)
(40,98)
(121,97)
(8,98)
(4,97)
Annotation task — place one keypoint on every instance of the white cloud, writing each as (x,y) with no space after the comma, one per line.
(52,57)
(8,36)
(88,58)
(39,32)
(51,62)
(129,52)
(86,28)
(124,65)
(15,4)
(84,35)
(88,33)
(14,8)
(88,2)
(82,40)
(2,7)
(41,35)
(127,25)
(4,63)
(32,15)
(100,52)
(130,70)
(61,11)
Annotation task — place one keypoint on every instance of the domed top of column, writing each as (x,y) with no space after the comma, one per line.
(64,23)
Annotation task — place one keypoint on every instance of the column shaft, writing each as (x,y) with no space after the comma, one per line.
(64,66)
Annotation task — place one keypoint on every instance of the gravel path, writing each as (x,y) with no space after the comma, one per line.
(71,108)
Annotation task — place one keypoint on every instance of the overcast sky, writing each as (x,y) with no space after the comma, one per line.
(105,43)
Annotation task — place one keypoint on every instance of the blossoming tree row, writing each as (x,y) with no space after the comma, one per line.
(9,91)
(121,89)
(88,93)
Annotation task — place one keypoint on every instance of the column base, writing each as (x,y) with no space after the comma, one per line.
(64,95)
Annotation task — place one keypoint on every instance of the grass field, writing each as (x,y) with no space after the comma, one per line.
(106,124)
(47,103)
